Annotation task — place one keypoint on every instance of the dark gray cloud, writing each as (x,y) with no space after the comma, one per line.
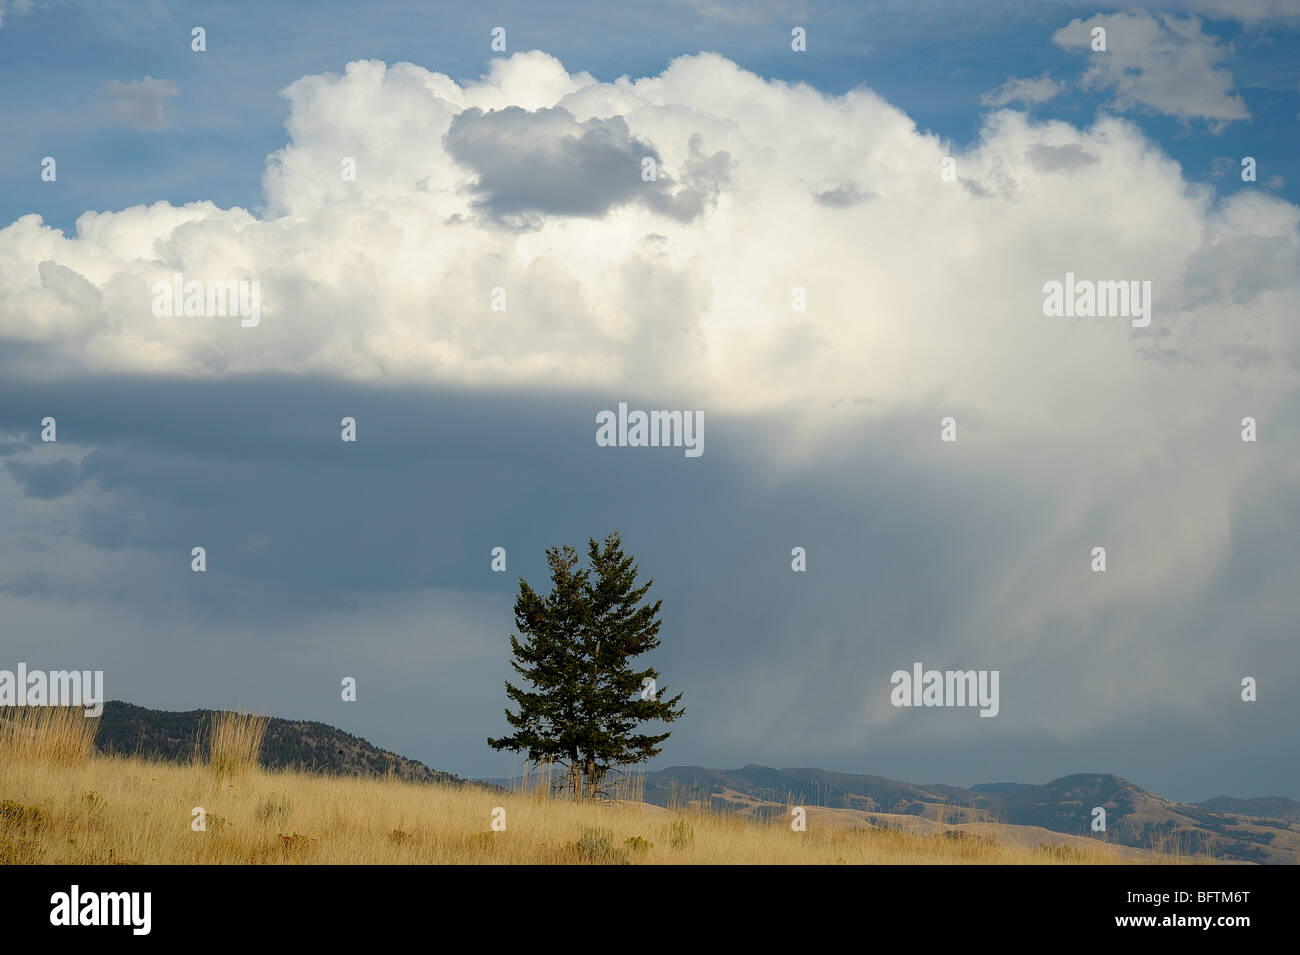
(11,445)
(46,481)
(545,162)
(841,196)
(1060,158)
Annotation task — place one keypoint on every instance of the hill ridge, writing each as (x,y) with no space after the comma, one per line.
(174,735)
(1135,816)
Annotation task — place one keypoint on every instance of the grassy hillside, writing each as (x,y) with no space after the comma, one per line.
(127,790)
(1229,830)
(63,802)
(129,810)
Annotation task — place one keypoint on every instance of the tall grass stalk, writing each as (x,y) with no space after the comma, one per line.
(47,734)
(235,742)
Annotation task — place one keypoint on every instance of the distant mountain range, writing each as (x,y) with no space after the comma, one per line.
(1247,830)
(1263,830)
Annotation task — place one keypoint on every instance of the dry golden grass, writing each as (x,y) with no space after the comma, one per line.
(122,810)
(46,733)
(62,803)
(235,741)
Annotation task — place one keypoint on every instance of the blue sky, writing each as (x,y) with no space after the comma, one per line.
(924,300)
(226,117)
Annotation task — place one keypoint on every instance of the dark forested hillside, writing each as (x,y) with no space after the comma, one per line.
(127,729)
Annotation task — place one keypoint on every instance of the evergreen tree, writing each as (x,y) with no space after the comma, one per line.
(584,704)
(549,659)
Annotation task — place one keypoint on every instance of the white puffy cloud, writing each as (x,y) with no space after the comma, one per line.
(925,286)
(1160,62)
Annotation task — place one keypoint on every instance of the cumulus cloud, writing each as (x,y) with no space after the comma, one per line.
(1158,62)
(400,264)
(681,283)
(140,103)
(1030,91)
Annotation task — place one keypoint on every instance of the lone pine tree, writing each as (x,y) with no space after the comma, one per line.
(583,704)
